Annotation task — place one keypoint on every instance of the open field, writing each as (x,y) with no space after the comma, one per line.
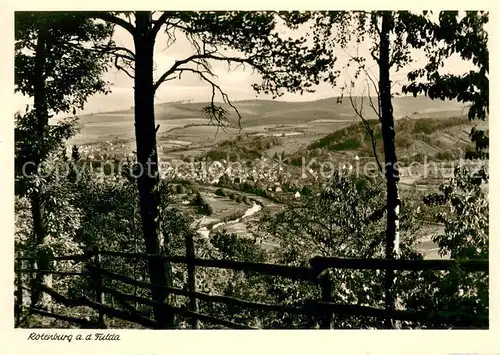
(316,116)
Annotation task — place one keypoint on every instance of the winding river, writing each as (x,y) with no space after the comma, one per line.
(205,232)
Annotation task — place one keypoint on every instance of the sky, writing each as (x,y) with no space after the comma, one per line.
(236,83)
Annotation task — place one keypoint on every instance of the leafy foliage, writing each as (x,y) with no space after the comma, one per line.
(203,207)
(72,66)
(465,35)
(27,146)
(343,220)
(456,293)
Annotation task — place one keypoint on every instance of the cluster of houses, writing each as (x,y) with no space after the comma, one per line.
(105,150)
(268,174)
(236,173)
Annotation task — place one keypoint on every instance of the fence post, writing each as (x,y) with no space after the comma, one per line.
(41,276)
(325,283)
(389,297)
(97,283)
(191,270)
(19,290)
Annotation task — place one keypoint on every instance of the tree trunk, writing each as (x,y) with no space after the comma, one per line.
(391,169)
(147,159)
(42,117)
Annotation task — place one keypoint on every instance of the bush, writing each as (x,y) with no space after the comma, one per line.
(220,192)
(446,155)
(235,248)
(306,191)
(202,206)
(422,126)
(348,144)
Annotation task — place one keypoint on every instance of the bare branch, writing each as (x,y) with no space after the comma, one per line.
(116,20)
(171,38)
(160,22)
(215,88)
(372,79)
(122,68)
(205,65)
(113,50)
(173,25)
(178,63)
(170,71)
(368,72)
(368,127)
(372,105)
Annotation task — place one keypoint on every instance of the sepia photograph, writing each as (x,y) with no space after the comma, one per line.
(321,170)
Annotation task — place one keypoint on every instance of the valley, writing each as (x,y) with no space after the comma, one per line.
(278,144)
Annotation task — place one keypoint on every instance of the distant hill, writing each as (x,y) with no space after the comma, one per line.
(259,112)
(441,138)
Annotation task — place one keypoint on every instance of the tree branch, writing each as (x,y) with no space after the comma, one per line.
(178,63)
(215,88)
(119,67)
(112,49)
(374,57)
(368,128)
(116,20)
(160,22)
(372,105)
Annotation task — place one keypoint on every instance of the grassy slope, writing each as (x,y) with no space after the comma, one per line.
(438,137)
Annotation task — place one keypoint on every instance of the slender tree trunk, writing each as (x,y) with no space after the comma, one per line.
(391,170)
(147,159)
(41,114)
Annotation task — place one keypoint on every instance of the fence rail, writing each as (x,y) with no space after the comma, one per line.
(317,274)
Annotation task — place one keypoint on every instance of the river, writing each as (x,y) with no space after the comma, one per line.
(205,232)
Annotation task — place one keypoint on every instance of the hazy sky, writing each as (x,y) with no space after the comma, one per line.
(236,83)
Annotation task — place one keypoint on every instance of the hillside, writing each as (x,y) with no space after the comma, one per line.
(439,138)
(324,115)
(276,112)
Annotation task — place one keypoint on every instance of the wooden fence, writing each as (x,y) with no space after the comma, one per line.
(317,274)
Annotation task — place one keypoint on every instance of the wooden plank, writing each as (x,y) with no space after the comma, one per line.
(182,311)
(357,310)
(326,296)
(191,271)
(321,263)
(291,272)
(242,303)
(213,320)
(74,257)
(209,298)
(111,312)
(96,278)
(125,279)
(60,273)
(84,323)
